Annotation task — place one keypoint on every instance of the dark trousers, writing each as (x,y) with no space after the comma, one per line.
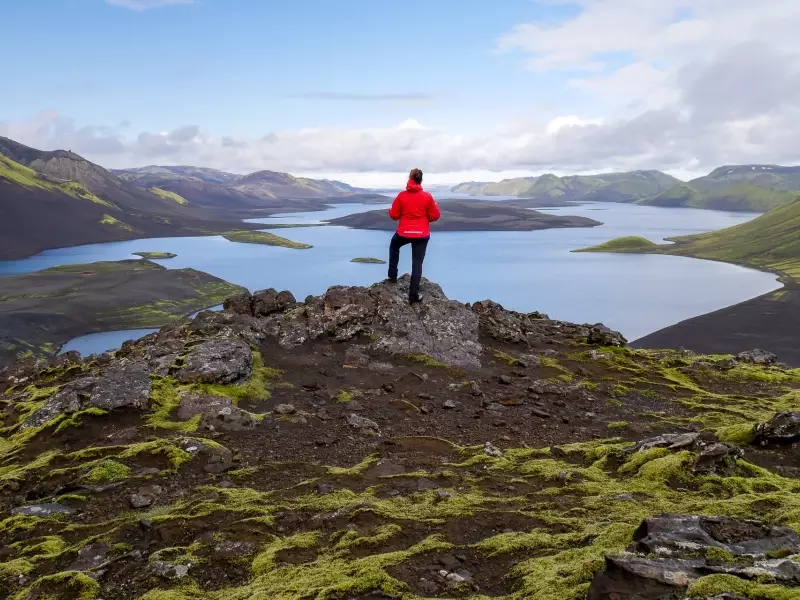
(418,249)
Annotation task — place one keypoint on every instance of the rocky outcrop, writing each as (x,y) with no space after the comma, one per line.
(448,331)
(117,387)
(757,357)
(217,361)
(709,455)
(672,552)
(783,428)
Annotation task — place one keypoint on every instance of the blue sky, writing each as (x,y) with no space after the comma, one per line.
(367,87)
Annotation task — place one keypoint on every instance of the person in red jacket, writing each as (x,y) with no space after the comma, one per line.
(416,210)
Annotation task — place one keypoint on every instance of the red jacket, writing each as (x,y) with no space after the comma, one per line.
(416,210)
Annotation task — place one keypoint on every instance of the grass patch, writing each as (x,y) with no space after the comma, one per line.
(265,238)
(167,195)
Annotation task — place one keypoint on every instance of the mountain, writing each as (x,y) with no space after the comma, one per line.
(605,187)
(219,190)
(57,199)
(737,196)
(771,176)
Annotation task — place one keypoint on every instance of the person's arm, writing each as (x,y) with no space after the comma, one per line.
(433,210)
(395,212)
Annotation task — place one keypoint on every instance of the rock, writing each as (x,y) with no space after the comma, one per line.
(718,458)
(449,405)
(427,587)
(757,357)
(230,418)
(601,335)
(285,409)
(128,386)
(490,450)
(445,329)
(711,457)
(234,549)
(217,458)
(222,361)
(542,414)
(504,379)
(673,551)
(388,388)
(449,562)
(168,570)
(782,428)
(67,359)
(200,404)
(43,510)
(90,557)
(145,496)
(363,424)
(323,489)
(68,400)
(241,304)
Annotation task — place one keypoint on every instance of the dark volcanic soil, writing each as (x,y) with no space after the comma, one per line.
(769,322)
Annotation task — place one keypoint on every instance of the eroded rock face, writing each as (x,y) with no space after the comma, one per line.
(671,552)
(783,428)
(221,361)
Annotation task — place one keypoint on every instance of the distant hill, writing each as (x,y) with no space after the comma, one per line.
(771,176)
(737,196)
(214,189)
(56,199)
(606,187)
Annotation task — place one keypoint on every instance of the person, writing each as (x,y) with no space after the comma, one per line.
(415,209)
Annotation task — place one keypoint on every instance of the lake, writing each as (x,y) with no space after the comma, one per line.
(524,271)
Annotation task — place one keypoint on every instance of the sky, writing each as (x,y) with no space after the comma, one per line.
(364,90)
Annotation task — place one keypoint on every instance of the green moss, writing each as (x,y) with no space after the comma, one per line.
(355,470)
(67,585)
(265,238)
(634,244)
(256,389)
(509,359)
(164,401)
(618,425)
(718,554)
(380,535)
(113,222)
(742,434)
(425,359)
(108,471)
(713,585)
(344,397)
(155,255)
(167,195)
(76,418)
(371,261)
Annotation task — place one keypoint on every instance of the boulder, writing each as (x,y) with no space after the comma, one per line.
(601,335)
(128,386)
(363,424)
(672,551)
(757,357)
(222,361)
(268,302)
(782,428)
(216,458)
(43,510)
(711,456)
(229,418)
(241,304)
(68,400)
(90,557)
(201,404)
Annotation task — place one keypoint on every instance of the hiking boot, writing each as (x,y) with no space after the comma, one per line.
(415,300)
(390,280)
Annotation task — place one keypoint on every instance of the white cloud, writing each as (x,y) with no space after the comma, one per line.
(140,5)
(678,85)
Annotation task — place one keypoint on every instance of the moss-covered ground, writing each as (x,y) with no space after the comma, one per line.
(311,508)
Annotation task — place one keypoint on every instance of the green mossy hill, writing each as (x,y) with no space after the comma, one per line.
(19,174)
(631,244)
(739,196)
(768,242)
(167,195)
(41,311)
(263,237)
(155,255)
(369,473)
(114,222)
(369,261)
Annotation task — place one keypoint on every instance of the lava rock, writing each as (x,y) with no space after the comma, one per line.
(285,409)
(168,570)
(363,424)
(200,404)
(222,361)
(782,428)
(90,557)
(241,304)
(217,458)
(757,357)
(43,510)
(601,335)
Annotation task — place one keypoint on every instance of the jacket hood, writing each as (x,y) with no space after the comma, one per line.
(413,186)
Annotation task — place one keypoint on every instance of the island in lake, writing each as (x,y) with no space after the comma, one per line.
(264,238)
(155,255)
(368,260)
(473,215)
(44,310)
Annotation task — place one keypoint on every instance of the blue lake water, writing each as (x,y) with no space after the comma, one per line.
(524,271)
